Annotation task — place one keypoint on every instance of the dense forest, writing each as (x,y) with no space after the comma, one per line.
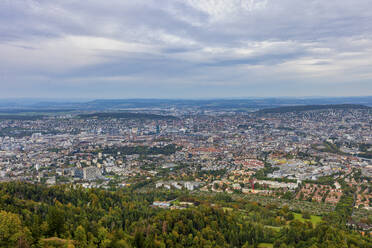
(141,150)
(127,115)
(21,117)
(72,216)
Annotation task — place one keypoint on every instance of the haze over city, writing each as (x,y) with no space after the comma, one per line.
(185,48)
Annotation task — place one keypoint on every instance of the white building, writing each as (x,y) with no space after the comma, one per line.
(91,172)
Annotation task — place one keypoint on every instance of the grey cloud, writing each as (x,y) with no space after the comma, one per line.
(308,42)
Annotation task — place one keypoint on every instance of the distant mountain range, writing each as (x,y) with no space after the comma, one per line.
(16,106)
(300,108)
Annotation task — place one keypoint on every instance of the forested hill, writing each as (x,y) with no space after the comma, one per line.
(127,115)
(70,216)
(300,108)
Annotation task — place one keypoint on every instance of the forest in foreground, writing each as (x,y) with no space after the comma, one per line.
(71,216)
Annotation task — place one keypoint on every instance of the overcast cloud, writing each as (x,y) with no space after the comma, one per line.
(185,48)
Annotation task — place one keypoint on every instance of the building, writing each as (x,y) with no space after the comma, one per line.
(161,204)
(92,172)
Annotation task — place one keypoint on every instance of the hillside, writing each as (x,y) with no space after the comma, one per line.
(301,108)
(126,115)
(67,216)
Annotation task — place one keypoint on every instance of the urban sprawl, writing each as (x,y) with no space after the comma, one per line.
(296,158)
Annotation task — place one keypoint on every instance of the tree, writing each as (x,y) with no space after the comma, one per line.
(290,216)
(11,231)
(103,241)
(56,221)
(81,237)
(306,215)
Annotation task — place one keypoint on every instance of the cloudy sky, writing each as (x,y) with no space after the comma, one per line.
(185,48)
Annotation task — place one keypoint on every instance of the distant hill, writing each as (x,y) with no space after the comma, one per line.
(22,117)
(221,104)
(234,104)
(127,115)
(301,108)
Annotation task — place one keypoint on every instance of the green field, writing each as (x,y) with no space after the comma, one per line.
(314,219)
(265,245)
(277,228)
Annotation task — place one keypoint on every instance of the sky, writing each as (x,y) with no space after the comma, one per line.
(185,48)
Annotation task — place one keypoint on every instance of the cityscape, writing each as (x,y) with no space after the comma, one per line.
(307,158)
(185,123)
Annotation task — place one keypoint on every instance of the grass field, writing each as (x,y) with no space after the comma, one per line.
(314,219)
(265,245)
(274,227)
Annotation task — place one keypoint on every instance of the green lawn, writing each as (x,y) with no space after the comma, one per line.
(274,227)
(265,245)
(314,219)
